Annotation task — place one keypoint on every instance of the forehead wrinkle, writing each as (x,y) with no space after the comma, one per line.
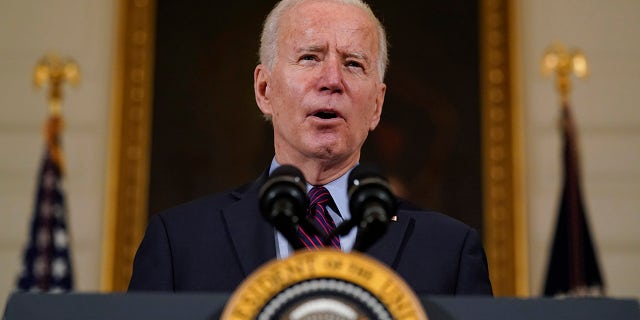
(311,28)
(350,50)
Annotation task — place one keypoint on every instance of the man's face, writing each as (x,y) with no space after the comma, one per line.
(324,92)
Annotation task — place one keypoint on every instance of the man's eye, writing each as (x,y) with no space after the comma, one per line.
(308,57)
(355,64)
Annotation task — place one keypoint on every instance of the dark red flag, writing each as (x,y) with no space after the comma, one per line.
(573,267)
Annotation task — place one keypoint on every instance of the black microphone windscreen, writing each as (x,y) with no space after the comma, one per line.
(283,200)
(284,174)
(366,174)
(365,171)
(372,204)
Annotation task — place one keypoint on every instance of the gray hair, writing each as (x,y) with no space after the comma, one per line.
(269,38)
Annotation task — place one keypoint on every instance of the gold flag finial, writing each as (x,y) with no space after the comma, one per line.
(557,58)
(55,71)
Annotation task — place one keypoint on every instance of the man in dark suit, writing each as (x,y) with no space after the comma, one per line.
(320,83)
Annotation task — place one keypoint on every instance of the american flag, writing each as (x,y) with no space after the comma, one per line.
(47,265)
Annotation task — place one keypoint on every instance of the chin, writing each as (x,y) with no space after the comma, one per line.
(333,154)
(328,147)
(326,152)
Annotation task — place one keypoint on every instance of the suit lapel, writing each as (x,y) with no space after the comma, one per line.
(251,235)
(389,248)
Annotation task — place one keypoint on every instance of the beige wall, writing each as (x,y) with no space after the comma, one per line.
(605,107)
(85,31)
(608,116)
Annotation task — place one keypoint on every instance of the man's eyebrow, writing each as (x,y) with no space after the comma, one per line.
(311,48)
(357,55)
(321,48)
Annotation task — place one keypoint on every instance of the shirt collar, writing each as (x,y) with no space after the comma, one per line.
(337,188)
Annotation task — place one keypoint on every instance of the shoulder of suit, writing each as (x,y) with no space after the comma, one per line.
(207,204)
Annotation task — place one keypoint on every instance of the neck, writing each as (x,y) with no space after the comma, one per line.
(320,171)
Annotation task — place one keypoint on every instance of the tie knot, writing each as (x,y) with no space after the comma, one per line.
(319,196)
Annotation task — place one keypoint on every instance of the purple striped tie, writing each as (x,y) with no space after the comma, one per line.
(319,197)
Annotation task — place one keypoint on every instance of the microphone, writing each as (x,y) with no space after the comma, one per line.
(283,200)
(372,204)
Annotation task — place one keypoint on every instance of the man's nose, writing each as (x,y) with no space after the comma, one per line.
(332,78)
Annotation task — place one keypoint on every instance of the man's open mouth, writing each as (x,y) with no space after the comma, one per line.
(325,115)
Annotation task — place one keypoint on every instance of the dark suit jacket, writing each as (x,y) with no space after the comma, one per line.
(214,243)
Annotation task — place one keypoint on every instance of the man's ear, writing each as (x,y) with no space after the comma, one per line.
(377,112)
(261,89)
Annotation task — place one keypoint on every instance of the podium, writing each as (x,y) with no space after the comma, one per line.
(159,306)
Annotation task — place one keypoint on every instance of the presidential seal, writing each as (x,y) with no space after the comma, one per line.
(324,284)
